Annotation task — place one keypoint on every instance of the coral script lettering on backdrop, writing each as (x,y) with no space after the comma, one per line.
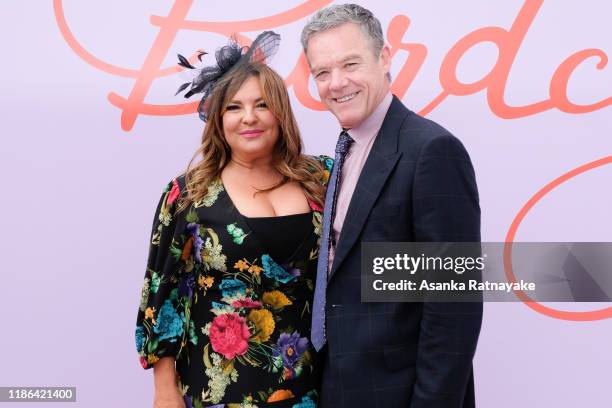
(508,42)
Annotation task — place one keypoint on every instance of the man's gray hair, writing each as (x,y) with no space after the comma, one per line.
(336,15)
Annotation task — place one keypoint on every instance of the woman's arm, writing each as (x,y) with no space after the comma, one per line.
(167,394)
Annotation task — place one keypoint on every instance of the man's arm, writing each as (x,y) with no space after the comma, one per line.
(446,209)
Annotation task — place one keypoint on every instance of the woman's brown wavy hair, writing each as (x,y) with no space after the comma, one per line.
(215,153)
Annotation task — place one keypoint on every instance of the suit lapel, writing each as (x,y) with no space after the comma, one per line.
(380,162)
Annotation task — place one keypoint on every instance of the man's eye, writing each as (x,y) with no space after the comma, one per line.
(321,75)
(350,65)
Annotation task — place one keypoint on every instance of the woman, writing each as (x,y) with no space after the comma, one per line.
(224,317)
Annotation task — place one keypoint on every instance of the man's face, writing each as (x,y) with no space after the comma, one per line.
(350,78)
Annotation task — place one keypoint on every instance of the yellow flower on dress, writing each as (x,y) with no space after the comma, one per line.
(241,265)
(326,175)
(255,269)
(206,281)
(276,299)
(264,324)
(152,359)
(149,313)
(280,395)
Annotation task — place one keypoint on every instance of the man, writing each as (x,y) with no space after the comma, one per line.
(397,177)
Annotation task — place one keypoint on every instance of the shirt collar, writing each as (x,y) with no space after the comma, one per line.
(369,128)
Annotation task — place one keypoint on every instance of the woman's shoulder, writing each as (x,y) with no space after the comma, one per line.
(326,161)
(322,168)
(180,190)
(176,186)
(171,193)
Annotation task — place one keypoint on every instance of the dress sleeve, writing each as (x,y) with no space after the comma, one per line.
(327,163)
(320,167)
(160,324)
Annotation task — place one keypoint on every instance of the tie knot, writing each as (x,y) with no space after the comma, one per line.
(344,143)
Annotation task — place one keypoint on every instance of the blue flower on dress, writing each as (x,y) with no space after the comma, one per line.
(186,284)
(140,338)
(305,403)
(290,348)
(328,163)
(217,305)
(194,230)
(274,271)
(169,323)
(232,287)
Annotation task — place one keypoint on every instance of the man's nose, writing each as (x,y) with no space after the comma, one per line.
(338,80)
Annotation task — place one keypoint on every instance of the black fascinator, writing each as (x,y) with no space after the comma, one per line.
(263,47)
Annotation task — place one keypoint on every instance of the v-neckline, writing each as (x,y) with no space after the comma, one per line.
(222,183)
(246,228)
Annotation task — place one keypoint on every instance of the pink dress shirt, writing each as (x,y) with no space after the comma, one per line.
(364,136)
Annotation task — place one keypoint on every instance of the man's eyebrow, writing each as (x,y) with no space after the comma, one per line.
(342,61)
(351,57)
(315,69)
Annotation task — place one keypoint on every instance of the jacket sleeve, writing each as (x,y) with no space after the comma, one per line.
(160,324)
(446,209)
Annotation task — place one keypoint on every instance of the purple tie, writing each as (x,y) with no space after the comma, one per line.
(318,305)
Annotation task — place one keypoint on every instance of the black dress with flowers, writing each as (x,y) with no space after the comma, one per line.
(219,298)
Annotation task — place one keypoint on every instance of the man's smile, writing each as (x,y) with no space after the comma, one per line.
(345,98)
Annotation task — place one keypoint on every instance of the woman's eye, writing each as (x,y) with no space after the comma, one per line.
(262,105)
(232,107)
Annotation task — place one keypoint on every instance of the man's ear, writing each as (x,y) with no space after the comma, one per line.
(385,58)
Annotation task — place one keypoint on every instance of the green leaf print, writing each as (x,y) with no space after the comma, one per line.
(237,233)
(207,362)
(192,216)
(155,281)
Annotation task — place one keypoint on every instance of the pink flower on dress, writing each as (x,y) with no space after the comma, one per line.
(246,303)
(143,362)
(174,193)
(314,206)
(229,335)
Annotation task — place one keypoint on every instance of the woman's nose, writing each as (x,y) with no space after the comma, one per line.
(249,116)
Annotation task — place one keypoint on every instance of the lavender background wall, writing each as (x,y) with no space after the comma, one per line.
(78,192)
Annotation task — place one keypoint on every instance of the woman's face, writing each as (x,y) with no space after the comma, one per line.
(250,128)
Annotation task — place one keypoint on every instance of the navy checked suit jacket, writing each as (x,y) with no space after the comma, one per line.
(417,184)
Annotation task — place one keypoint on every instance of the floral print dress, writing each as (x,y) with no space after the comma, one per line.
(236,321)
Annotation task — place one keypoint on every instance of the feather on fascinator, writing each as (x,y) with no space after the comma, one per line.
(262,49)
